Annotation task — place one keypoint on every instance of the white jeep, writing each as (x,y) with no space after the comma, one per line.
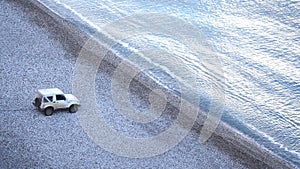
(52,99)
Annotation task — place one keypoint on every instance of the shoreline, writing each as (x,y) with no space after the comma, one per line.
(223,130)
(230,135)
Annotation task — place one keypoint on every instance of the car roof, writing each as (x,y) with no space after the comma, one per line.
(51,91)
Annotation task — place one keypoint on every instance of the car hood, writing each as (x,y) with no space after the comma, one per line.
(71,97)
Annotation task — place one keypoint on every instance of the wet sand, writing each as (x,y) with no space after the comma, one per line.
(38,51)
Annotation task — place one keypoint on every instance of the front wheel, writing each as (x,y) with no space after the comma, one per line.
(48,111)
(73,108)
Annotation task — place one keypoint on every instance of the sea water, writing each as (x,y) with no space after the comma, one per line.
(257,43)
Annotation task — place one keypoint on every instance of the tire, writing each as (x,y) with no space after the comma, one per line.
(73,108)
(37,102)
(48,111)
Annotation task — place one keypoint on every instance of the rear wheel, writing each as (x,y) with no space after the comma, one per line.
(73,108)
(48,111)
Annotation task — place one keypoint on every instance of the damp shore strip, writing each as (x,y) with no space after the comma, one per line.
(227,133)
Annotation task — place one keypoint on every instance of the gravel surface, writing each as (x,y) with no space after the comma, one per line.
(37,53)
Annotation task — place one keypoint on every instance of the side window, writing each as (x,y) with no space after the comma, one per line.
(50,98)
(60,97)
(45,100)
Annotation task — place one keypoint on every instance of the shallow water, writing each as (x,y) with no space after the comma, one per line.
(257,44)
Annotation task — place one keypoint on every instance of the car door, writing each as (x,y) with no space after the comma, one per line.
(60,101)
